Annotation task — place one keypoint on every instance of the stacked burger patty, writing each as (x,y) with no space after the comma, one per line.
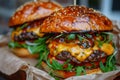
(72,52)
(80,42)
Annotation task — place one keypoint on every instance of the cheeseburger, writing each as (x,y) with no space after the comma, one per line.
(25,24)
(80,42)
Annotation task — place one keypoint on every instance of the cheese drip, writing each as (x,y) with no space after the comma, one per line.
(75,50)
(34,29)
(31,29)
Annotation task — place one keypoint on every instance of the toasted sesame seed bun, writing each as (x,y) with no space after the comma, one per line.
(32,11)
(76,19)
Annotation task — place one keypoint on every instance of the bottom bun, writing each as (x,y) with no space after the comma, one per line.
(66,74)
(22,52)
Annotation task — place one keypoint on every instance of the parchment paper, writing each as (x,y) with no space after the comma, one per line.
(9,63)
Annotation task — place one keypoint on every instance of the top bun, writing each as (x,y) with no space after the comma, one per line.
(32,11)
(76,19)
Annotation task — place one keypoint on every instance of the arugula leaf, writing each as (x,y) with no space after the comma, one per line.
(56,65)
(106,40)
(97,34)
(71,36)
(80,70)
(110,35)
(69,67)
(14,44)
(45,59)
(40,45)
(24,45)
(21,27)
(36,49)
(102,67)
(88,35)
(24,25)
(80,38)
(110,63)
(100,43)
(41,40)
(32,49)
(41,58)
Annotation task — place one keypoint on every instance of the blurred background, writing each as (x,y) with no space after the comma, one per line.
(110,8)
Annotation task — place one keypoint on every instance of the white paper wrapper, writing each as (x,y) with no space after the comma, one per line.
(9,64)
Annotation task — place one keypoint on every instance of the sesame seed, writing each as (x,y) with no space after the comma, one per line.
(19,12)
(16,16)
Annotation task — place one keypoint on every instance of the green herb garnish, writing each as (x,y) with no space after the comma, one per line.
(16,44)
(57,66)
(38,47)
(71,37)
(42,56)
(110,36)
(23,26)
(88,35)
(80,38)
(80,70)
(107,37)
(110,63)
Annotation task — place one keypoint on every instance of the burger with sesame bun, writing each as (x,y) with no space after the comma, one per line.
(80,42)
(26,39)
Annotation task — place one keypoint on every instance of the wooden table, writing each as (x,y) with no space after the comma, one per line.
(20,75)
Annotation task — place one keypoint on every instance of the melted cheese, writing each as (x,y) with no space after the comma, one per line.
(76,51)
(18,31)
(107,48)
(95,47)
(15,33)
(36,30)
